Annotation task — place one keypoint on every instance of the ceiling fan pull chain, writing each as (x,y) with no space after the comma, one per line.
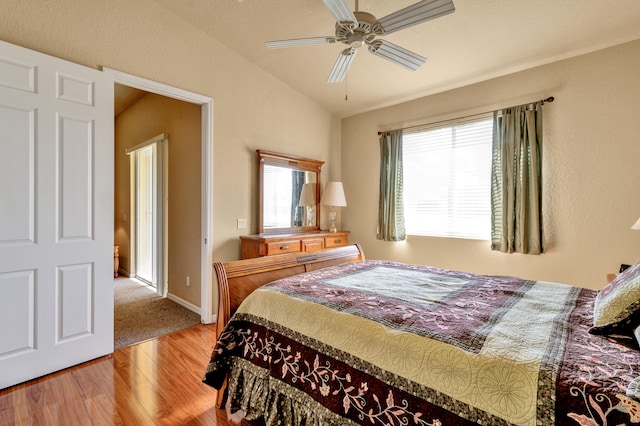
(346,85)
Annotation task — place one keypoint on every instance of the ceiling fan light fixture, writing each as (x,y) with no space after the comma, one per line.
(355,40)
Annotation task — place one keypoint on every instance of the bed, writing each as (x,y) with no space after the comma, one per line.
(333,339)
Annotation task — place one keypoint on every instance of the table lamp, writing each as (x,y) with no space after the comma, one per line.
(333,197)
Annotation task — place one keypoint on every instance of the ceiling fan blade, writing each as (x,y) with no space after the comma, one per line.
(341,11)
(396,54)
(279,44)
(414,14)
(342,65)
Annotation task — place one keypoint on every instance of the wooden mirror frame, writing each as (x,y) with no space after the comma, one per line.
(294,163)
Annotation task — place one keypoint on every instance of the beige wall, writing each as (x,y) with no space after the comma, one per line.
(146,119)
(591,179)
(251,109)
(591,174)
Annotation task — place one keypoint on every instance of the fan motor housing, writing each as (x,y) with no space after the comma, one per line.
(356,36)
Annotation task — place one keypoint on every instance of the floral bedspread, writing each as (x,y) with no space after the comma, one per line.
(385,343)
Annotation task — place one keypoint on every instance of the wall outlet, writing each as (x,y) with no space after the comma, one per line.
(188,281)
(242,223)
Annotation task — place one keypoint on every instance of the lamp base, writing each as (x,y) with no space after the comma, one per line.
(332,218)
(309,219)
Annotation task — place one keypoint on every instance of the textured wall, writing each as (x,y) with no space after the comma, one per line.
(591,178)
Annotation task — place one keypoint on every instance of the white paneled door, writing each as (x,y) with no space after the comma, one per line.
(56,214)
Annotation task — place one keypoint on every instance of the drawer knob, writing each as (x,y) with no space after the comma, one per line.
(337,241)
(284,247)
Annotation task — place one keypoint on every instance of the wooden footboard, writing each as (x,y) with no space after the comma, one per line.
(237,279)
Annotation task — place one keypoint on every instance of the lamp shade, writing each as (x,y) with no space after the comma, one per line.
(334,195)
(308,195)
(636,225)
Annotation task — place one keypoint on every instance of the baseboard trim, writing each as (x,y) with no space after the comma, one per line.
(123,273)
(180,301)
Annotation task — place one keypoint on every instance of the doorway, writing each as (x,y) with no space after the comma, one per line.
(206,134)
(148,211)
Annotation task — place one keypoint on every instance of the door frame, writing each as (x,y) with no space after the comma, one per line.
(206,106)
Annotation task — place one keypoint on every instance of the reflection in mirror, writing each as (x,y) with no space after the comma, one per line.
(289,198)
(289,193)
(308,202)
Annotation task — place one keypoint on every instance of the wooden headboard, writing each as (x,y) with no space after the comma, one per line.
(237,279)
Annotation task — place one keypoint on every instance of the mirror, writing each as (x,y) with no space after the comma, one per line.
(289,193)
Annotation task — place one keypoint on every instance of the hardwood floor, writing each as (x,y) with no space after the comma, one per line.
(156,382)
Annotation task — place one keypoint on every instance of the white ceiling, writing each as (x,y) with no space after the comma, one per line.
(482,39)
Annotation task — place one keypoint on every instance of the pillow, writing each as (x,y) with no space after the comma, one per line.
(616,311)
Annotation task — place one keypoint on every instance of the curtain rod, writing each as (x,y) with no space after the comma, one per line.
(542,101)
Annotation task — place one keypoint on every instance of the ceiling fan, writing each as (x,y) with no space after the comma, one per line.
(359,28)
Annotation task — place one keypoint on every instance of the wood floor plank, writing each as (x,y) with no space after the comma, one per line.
(127,406)
(155,382)
(174,365)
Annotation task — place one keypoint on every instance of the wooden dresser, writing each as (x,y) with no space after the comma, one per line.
(259,245)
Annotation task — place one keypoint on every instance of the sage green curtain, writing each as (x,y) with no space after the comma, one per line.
(516,180)
(391,209)
(297,181)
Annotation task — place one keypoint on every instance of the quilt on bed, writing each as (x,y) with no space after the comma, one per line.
(379,342)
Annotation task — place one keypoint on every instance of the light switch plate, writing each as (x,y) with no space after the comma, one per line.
(242,223)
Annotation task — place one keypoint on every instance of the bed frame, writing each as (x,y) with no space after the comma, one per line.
(238,279)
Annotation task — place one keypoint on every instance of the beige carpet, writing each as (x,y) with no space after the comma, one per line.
(140,314)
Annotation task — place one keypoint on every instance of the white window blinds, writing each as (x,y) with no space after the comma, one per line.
(447,178)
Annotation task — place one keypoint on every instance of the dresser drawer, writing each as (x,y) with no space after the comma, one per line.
(281,247)
(259,245)
(336,241)
(311,244)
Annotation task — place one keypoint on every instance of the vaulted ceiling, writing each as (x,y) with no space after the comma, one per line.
(482,39)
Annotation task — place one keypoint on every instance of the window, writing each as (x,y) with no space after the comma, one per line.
(447,179)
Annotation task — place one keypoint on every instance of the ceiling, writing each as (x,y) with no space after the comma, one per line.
(480,40)
(124,97)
